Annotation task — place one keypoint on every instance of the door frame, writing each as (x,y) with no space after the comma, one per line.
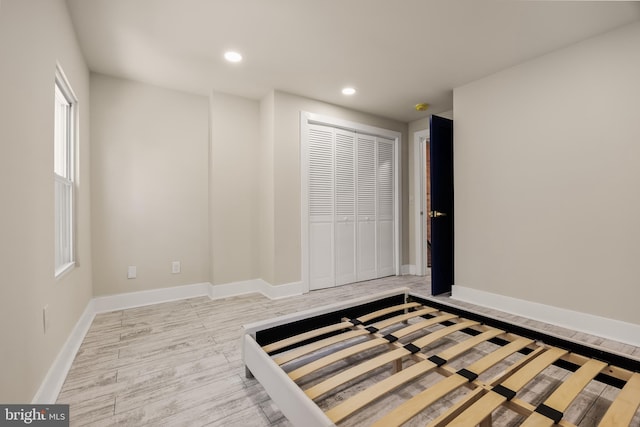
(420,139)
(307,118)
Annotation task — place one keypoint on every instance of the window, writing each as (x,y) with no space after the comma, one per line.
(63,172)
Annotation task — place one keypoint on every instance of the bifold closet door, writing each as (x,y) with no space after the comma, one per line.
(321,207)
(351,207)
(345,197)
(385,208)
(366,207)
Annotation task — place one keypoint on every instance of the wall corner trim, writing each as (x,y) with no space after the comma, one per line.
(612,329)
(57,373)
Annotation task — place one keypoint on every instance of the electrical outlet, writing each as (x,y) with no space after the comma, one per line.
(132,272)
(175,267)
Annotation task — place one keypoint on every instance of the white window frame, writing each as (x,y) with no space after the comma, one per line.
(65,133)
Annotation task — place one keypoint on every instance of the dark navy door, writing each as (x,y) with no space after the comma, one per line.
(441,214)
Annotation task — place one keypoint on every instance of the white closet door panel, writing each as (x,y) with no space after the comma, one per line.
(321,267)
(366,250)
(385,248)
(345,176)
(321,173)
(385,207)
(345,196)
(366,174)
(345,245)
(385,190)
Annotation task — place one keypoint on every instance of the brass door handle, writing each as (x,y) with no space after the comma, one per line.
(436,214)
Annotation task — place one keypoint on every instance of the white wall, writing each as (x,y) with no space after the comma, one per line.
(33,36)
(546,179)
(265,189)
(150,185)
(234,183)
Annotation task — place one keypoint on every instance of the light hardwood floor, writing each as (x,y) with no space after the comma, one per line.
(179,363)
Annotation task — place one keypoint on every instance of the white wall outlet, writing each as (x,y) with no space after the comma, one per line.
(132,272)
(175,267)
(45,319)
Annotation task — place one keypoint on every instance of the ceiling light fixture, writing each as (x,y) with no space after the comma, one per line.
(348,91)
(232,56)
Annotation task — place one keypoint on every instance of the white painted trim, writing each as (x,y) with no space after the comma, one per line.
(409,269)
(55,377)
(256,286)
(227,290)
(153,296)
(616,330)
(282,291)
(53,381)
(419,196)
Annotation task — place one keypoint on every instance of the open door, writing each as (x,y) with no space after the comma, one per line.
(441,213)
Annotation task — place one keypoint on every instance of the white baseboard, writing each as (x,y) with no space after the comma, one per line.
(234,289)
(153,296)
(270,291)
(409,269)
(283,291)
(616,330)
(54,380)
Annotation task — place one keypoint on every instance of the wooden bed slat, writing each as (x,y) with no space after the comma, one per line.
(305,336)
(353,350)
(318,345)
(369,365)
(410,408)
(459,407)
(407,316)
(385,311)
(310,348)
(383,359)
(562,397)
(624,407)
(309,368)
(348,407)
(482,408)
(335,327)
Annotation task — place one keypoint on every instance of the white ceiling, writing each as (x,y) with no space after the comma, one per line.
(396,53)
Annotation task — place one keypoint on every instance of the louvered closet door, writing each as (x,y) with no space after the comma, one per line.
(385,211)
(366,206)
(345,196)
(321,207)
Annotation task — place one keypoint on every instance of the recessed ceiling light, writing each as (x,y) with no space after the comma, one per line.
(348,91)
(232,56)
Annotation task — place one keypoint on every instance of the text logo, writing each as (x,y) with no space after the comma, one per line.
(34,415)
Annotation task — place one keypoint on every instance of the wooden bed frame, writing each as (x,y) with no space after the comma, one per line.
(335,364)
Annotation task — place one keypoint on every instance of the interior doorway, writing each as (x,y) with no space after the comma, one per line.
(422,198)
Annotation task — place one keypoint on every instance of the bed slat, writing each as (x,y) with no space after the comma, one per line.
(482,408)
(624,407)
(372,393)
(560,399)
(404,412)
